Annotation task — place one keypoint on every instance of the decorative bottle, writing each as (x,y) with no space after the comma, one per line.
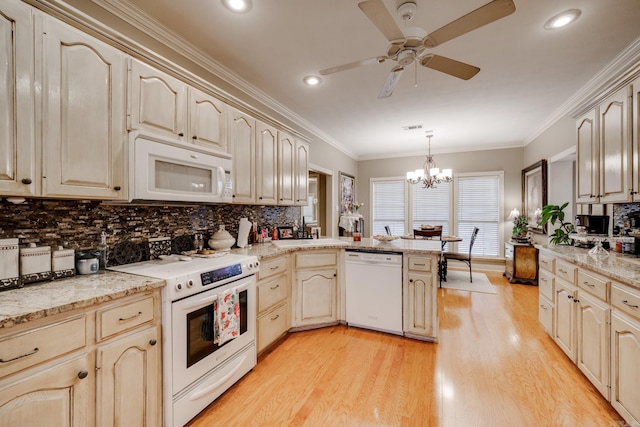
(103,249)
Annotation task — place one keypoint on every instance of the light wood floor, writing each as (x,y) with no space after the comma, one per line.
(493,366)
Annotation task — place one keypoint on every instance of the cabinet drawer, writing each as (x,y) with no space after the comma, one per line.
(546,282)
(625,299)
(508,251)
(595,285)
(24,350)
(566,271)
(271,267)
(545,314)
(316,259)
(271,292)
(271,326)
(419,263)
(113,320)
(546,262)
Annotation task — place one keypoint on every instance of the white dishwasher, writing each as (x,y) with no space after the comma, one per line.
(374,290)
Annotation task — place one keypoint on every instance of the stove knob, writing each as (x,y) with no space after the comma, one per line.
(179,287)
(190,284)
(251,266)
(257,264)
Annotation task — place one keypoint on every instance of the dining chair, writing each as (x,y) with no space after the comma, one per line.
(428,234)
(388,230)
(464,257)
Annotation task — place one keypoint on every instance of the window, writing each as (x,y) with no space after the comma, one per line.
(388,203)
(471,200)
(479,205)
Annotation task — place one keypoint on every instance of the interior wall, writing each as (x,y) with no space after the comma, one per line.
(557,138)
(507,160)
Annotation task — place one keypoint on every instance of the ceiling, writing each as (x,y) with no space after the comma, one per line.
(527,72)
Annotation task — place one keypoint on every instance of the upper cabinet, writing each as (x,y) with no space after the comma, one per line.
(286,169)
(302,173)
(242,140)
(207,120)
(603,147)
(157,101)
(635,109)
(266,164)
(83,115)
(17,135)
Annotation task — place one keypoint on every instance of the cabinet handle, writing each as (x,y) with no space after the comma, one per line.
(181,134)
(126,319)
(275,268)
(335,274)
(624,301)
(576,300)
(589,284)
(570,296)
(153,341)
(193,156)
(562,271)
(35,350)
(83,374)
(410,280)
(421,265)
(260,198)
(117,188)
(274,287)
(194,137)
(274,318)
(26,181)
(544,307)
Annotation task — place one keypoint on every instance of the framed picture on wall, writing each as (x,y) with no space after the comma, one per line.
(347,193)
(534,194)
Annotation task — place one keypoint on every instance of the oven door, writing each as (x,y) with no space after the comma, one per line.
(194,351)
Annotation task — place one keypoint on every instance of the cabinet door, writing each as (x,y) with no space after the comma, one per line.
(242,138)
(316,297)
(18,175)
(587,155)
(526,262)
(564,332)
(131,364)
(207,120)
(271,326)
(545,314)
(157,101)
(593,341)
(635,111)
(83,117)
(419,307)
(302,173)
(286,169)
(266,164)
(625,370)
(61,396)
(615,165)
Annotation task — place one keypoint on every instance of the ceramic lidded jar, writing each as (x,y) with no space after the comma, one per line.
(221,240)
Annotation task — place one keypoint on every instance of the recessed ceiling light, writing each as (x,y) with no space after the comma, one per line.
(240,6)
(562,19)
(312,80)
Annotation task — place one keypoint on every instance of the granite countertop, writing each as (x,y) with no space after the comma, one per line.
(623,268)
(48,298)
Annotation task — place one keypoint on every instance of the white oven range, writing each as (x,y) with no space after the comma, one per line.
(196,369)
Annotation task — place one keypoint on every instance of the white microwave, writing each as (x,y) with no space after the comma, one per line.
(164,169)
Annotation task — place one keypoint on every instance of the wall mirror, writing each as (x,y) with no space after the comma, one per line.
(534,194)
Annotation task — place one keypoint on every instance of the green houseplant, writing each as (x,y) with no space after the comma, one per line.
(520,224)
(554,214)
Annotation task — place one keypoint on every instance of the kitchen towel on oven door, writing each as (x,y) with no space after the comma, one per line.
(228,316)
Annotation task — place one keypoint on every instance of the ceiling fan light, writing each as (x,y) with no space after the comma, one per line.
(240,6)
(312,80)
(562,19)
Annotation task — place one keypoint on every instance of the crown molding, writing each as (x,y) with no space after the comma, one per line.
(618,73)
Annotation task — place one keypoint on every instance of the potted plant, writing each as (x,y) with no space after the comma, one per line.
(555,214)
(519,231)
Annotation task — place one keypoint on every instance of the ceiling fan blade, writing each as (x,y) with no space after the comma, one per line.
(391,82)
(484,15)
(450,66)
(350,65)
(377,13)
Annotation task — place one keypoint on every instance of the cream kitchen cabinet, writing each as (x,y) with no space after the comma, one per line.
(207,121)
(420,297)
(301,173)
(315,288)
(242,140)
(635,122)
(286,169)
(266,164)
(592,327)
(603,167)
(546,291)
(18,174)
(625,352)
(99,365)
(83,118)
(273,301)
(564,319)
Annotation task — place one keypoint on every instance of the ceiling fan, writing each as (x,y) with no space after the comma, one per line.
(407,50)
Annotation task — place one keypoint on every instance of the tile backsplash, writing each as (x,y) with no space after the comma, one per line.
(78,224)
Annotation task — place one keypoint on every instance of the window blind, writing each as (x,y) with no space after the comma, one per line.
(478,205)
(388,206)
(431,206)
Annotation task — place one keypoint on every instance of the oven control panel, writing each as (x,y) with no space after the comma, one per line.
(219,274)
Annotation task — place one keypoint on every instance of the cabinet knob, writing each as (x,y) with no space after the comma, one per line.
(26,181)
(260,198)
(570,296)
(83,374)
(410,280)
(181,134)
(194,137)
(335,274)
(117,188)
(153,342)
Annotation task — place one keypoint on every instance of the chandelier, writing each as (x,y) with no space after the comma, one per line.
(430,174)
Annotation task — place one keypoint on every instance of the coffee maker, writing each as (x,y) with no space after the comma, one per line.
(593,224)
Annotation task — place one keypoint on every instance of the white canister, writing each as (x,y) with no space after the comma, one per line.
(35,263)
(87,266)
(9,264)
(63,263)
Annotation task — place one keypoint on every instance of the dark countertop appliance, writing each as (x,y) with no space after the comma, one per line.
(594,224)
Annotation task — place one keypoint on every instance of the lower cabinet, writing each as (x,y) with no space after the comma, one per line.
(419,297)
(593,341)
(315,288)
(97,366)
(564,330)
(273,301)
